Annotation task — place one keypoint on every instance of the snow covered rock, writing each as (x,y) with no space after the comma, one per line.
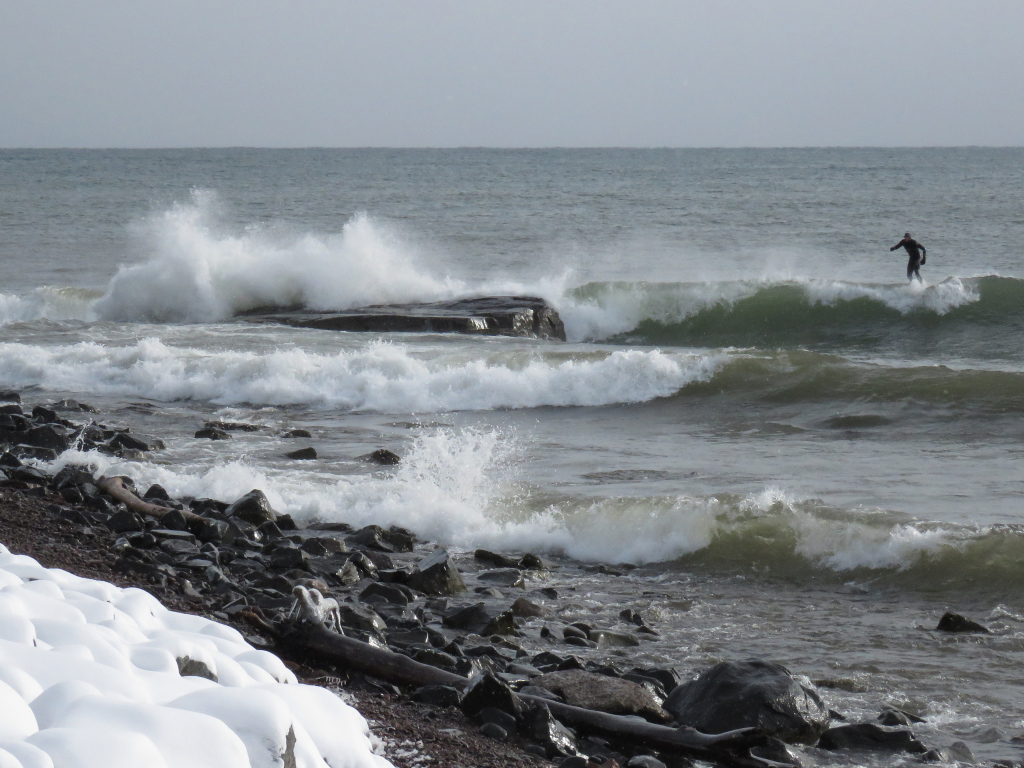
(91,677)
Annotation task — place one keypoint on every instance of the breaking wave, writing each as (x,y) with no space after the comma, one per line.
(381,377)
(790,313)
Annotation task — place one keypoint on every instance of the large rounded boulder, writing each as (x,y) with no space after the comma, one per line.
(751,694)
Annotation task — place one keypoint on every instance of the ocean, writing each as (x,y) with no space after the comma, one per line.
(808,458)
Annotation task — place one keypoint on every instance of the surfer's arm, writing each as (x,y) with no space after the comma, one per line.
(895,246)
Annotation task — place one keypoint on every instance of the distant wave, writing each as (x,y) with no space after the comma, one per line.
(805,377)
(790,313)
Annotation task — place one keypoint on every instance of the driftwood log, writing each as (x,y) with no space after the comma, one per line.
(308,633)
(115,488)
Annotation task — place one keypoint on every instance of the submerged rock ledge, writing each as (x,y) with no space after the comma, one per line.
(527,316)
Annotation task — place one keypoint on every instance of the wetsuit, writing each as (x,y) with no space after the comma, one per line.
(917,254)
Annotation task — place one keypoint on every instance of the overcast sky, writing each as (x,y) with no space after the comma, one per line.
(294,73)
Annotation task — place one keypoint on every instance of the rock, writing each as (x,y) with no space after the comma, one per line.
(571,631)
(530,562)
(577,761)
(124,441)
(502,577)
(296,433)
(487,315)
(894,717)
(233,426)
(525,609)
(303,454)
(194,668)
(556,740)
(388,593)
(253,508)
(9,460)
(9,396)
(759,694)
(436,574)
(954,622)
(872,737)
(630,616)
(156,491)
(359,616)
(668,678)
(644,761)
(287,558)
(375,537)
(498,717)
(383,457)
(494,731)
(470,617)
(605,694)
(493,558)
(488,691)
(124,520)
(435,658)
(438,695)
(46,436)
(607,639)
(502,624)
(211,433)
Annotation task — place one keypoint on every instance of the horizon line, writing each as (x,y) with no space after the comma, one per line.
(507,148)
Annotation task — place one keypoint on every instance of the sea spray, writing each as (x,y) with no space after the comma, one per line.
(199,273)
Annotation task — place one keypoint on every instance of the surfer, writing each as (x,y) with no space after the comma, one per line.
(917,254)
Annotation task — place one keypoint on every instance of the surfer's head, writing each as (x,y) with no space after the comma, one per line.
(907,236)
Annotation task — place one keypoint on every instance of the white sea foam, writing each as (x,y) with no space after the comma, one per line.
(378,377)
(940,298)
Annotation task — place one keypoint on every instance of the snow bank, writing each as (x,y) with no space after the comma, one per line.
(89,678)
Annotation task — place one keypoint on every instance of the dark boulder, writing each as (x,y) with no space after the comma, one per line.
(303,454)
(46,436)
(894,717)
(383,456)
(526,609)
(756,694)
(296,433)
(530,562)
(156,491)
(211,433)
(436,574)
(556,740)
(9,396)
(954,622)
(386,593)
(869,736)
(489,691)
(122,441)
(438,695)
(253,508)
(375,537)
(495,559)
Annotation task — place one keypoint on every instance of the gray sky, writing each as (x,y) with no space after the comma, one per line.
(140,73)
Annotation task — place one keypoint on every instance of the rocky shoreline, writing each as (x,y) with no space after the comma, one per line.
(488,616)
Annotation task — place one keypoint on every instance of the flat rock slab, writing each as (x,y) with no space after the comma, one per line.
(488,315)
(605,694)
